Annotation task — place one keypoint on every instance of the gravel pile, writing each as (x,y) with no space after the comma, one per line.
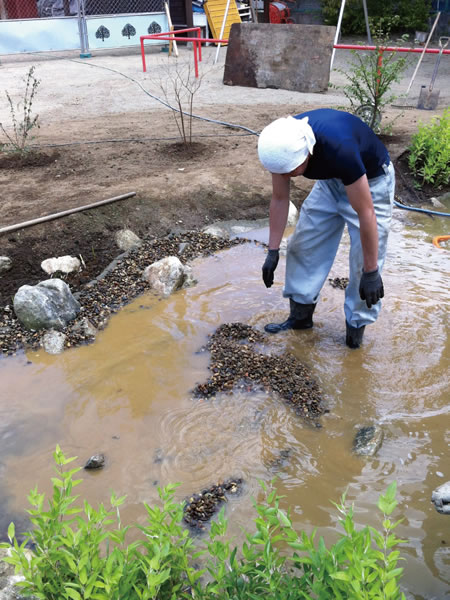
(118,285)
(202,506)
(235,361)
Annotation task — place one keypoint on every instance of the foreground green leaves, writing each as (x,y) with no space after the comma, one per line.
(82,553)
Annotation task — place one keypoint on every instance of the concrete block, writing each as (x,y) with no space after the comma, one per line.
(289,57)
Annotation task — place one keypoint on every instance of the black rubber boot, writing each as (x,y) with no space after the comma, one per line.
(300,317)
(354,335)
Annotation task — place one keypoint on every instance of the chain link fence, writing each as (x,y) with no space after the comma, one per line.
(32,9)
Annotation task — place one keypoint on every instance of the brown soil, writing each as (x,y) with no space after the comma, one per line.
(218,178)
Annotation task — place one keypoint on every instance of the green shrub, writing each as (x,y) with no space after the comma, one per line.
(82,553)
(429,151)
(370,77)
(409,15)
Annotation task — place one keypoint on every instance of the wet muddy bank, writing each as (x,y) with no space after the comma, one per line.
(119,284)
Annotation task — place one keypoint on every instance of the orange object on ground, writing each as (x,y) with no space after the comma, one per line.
(440,238)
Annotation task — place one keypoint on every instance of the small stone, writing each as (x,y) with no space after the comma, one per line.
(216,231)
(127,240)
(97,461)
(368,440)
(85,327)
(292,215)
(53,341)
(5,264)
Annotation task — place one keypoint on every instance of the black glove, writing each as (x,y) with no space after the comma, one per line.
(269,266)
(371,287)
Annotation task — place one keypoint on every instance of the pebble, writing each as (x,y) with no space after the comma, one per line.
(97,461)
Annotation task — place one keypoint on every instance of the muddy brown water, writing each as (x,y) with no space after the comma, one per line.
(128,395)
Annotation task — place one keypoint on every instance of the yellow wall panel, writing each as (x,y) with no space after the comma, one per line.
(215,12)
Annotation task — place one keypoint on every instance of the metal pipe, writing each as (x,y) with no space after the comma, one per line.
(64,213)
(156,36)
(222,29)
(366,18)
(388,48)
(338,30)
(423,52)
(171,36)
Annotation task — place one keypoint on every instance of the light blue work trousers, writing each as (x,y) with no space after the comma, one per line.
(313,246)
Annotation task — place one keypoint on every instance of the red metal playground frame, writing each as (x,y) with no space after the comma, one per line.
(173,36)
(197,45)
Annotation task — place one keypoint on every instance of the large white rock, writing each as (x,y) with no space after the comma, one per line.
(5,264)
(61,264)
(47,305)
(168,275)
(292,215)
(127,240)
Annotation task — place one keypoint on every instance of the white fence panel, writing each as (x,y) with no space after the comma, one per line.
(39,35)
(118,31)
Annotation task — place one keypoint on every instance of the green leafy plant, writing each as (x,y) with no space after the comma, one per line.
(82,553)
(429,151)
(370,78)
(19,140)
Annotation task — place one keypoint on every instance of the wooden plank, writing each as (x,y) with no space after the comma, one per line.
(215,12)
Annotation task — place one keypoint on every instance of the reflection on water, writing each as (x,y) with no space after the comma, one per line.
(128,396)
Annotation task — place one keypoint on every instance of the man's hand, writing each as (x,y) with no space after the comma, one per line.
(371,287)
(269,266)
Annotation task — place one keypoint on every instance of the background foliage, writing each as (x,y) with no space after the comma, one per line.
(429,151)
(405,15)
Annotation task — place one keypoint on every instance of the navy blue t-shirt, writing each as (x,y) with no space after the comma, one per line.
(346,148)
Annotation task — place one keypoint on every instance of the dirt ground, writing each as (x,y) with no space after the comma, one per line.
(220,178)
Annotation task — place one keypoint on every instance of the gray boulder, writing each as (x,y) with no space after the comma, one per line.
(368,440)
(5,264)
(441,498)
(168,275)
(47,305)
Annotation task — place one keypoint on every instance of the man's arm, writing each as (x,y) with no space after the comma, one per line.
(279,209)
(371,285)
(360,199)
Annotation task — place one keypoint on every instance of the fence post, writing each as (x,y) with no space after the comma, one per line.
(82,30)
